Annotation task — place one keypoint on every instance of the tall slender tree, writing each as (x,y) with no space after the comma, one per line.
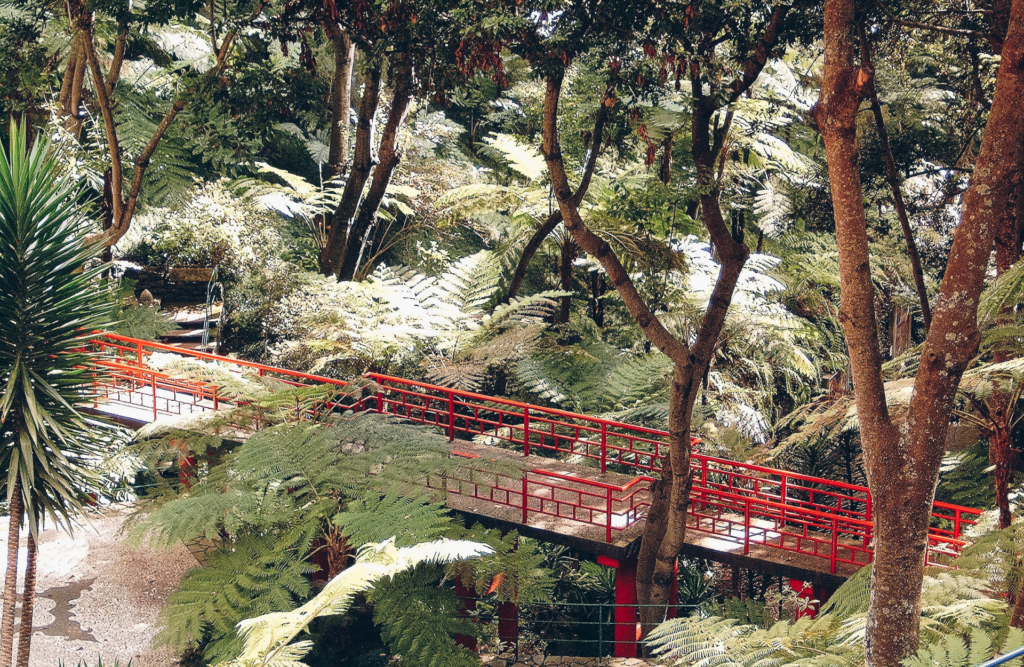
(902,460)
(47,449)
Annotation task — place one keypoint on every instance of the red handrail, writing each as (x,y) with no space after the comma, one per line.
(733,484)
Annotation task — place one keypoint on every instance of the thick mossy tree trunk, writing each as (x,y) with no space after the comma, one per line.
(902,461)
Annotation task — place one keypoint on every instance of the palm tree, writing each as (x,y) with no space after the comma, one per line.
(46,446)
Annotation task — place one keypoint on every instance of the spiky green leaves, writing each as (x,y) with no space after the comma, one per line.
(47,302)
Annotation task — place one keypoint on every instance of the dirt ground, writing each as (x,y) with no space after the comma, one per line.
(97,597)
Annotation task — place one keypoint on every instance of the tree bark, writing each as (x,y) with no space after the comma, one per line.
(124,208)
(667,517)
(895,181)
(549,225)
(565,280)
(902,463)
(341,101)
(665,167)
(389,157)
(11,576)
(362,165)
(28,601)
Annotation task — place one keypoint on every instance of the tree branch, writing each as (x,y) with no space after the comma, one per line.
(552,221)
(594,245)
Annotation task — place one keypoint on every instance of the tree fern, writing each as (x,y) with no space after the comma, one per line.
(267,639)
(257,575)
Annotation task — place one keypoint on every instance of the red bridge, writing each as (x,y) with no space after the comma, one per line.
(588,479)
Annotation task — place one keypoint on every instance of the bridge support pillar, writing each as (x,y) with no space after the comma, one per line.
(508,624)
(467,597)
(626,617)
(810,592)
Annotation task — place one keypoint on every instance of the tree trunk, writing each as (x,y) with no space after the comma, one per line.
(362,165)
(565,280)
(390,156)
(341,101)
(597,289)
(894,179)
(902,462)
(28,600)
(11,577)
(665,168)
(1000,444)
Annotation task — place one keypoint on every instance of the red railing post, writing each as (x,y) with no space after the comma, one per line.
(451,416)
(526,504)
(783,493)
(140,353)
(956,523)
(526,431)
(869,533)
(604,448)
(608,517)
(835,545)
(216,399)
(746,526)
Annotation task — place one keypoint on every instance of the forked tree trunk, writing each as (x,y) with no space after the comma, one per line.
(28,601)
(11,577)
(666,521)
(902,462)
(361,231)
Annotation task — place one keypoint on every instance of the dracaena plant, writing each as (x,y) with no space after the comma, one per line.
(47,301)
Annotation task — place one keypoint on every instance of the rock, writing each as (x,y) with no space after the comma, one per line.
(146,298)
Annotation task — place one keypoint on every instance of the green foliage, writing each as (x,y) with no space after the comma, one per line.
(256,576)
(411,519)
(419,620)
(49,301)
(266,640)
(958,651)
(135,320)
(953,605)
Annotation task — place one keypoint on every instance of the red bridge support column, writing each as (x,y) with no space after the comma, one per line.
(467,596)
(508,625)
(811,592)
(626,617)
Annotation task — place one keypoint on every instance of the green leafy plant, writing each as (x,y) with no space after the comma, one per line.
(47,449)
(267,640)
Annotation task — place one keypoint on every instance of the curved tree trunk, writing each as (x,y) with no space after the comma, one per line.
(28,601)
(11,577)
(549,225)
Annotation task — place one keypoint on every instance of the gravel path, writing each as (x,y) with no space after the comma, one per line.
(96,597)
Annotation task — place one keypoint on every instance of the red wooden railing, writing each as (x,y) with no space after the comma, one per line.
(733,501)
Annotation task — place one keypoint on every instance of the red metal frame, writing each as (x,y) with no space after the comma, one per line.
(734,501)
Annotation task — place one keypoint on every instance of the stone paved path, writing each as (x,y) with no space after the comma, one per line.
(97,597)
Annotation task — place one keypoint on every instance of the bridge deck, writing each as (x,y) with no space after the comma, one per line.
(590,486)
